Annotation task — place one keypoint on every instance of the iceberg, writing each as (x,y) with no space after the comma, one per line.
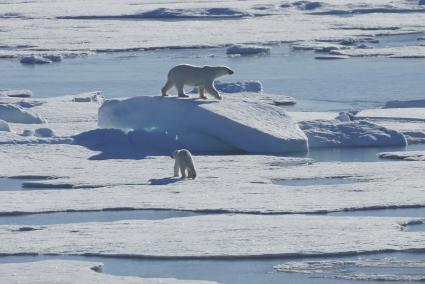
(237,123)
(239,49)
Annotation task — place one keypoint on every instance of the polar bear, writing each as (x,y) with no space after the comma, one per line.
(201,77)
(183,161)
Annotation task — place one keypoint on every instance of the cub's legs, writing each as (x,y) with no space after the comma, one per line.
(166,87)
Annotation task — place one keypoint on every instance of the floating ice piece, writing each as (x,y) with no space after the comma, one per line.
(27,133)
(245,124)
(35,59)
(239,49)
(16,114)
(4,126)
(44,132)
(94,97)
(404,156)
(66,271)
(16,93)
(334,133)
(331,57)
(237,87)
(168,13)
(405,104)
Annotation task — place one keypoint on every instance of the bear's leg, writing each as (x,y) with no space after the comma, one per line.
(183,171)
(176,169)
(202,92)
(211,90)
(166,87)
(180,90)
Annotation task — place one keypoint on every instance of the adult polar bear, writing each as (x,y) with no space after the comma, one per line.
(201,77)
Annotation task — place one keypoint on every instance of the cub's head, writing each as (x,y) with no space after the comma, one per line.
(174,154)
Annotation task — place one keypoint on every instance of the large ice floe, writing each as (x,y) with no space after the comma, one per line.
(216,236)
(403,156)
(17,114)
(237,124)
(67,272)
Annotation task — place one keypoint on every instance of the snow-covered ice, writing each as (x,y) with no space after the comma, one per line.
(67,272)
(237,123)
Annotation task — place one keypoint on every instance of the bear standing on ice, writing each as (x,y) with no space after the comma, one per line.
(183,161)
(201,77)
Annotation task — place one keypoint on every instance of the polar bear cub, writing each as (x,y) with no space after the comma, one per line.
(183,161)
(200,77)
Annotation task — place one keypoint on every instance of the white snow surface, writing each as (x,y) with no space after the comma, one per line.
(71,28)
(360,133)
(68,272)
(239,122)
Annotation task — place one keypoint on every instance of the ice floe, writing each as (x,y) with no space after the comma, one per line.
(241,123)
(247,50)
(403,156)
(217,236)
(412,114)
(336,133)
(16,93)
(63,271)
(343,269)
(149,184)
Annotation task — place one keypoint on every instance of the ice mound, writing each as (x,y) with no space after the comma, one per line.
(237,87)
(404,156)
(168,13)
(237,123)
(16,114)
(239,49)
(16,93)
(405,104)
(307,5)
(4,126)
(335,133)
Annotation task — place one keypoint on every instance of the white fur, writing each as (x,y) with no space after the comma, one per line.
(201,77)
(183,161)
